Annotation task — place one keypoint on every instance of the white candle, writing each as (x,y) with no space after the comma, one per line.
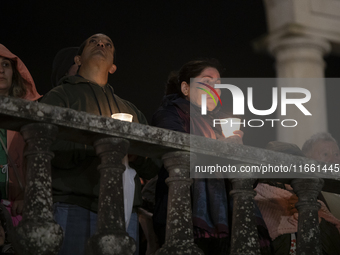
(231,125)
(122,116)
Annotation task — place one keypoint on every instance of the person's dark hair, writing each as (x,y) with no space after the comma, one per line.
(82,46)
(189,70)
(17,88)
(62,62)
(321,136)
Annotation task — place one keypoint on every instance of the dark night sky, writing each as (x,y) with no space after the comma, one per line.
(151,38)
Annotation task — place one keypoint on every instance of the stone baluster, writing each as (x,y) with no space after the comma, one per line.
(244,237)
(111,237)
(38,233)
(179,229)
(308,236)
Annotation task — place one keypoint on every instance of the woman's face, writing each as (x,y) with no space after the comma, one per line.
(6,74)
(209,76)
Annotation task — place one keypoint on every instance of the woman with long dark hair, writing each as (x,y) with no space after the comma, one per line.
(181,111)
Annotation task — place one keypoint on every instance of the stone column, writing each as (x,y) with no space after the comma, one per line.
(38,233)
(244,237)
(179,229)
(308,236)
(301,57)
(111,237)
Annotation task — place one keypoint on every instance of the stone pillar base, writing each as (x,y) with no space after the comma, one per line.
(31,229)
(188,248)
(117,242)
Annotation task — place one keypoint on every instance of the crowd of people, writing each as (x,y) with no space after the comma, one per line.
(80,82)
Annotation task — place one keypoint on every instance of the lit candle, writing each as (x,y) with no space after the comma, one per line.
(122,116)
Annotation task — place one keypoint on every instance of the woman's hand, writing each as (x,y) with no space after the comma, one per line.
(291,204)
(236,138)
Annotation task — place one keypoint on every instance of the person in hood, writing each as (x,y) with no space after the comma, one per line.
(15,81)
(64,65)
(75,178)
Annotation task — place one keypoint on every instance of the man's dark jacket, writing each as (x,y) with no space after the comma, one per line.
(75,178)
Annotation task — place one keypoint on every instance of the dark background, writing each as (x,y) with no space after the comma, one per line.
(151,38)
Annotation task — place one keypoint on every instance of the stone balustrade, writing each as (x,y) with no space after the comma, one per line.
(41,122)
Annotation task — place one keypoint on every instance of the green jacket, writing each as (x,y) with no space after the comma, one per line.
(75,179)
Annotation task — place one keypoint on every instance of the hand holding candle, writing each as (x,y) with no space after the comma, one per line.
(230,126)
(231,129)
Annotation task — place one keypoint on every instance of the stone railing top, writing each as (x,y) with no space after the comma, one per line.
(144,140)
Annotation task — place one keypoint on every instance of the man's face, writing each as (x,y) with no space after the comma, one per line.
(99,47)
(327,151)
